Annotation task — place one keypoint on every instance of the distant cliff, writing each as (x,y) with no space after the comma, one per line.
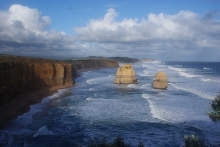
(125,59)
(91,63)
(117,59)
(19,75)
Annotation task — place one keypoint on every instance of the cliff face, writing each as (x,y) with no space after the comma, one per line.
(19,75)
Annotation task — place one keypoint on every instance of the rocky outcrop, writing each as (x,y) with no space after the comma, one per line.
(125,75)
(19,75)
(160,80)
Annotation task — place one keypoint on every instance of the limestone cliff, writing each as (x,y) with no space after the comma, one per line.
(160,80)
(19,75)
(125,75)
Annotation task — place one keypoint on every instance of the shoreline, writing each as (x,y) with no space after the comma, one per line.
(21,104)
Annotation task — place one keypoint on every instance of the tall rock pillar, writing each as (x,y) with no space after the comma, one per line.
(160,80)
(125,75)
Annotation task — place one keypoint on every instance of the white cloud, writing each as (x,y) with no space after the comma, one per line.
(24,30)
(31,18)
(181,32)
(182,36)
(183,26)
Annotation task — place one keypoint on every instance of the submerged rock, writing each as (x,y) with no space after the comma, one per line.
(125,75)
(160,80)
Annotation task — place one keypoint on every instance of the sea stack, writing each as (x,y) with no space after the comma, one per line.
(125,75)
(160,80)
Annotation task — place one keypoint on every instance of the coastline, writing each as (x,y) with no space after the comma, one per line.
(25,81)
(22,103)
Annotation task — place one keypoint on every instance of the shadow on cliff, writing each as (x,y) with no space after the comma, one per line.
(21,86)
(25,81)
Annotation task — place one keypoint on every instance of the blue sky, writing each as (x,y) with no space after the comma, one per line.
(159,29)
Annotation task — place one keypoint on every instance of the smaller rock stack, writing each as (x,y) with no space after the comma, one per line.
(125,75)
(160,80)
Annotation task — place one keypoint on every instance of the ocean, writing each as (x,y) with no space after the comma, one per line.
(96,107)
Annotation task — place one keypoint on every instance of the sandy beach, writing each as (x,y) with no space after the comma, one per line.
(22,103)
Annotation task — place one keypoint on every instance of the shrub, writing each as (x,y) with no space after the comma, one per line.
(215,114)
(118,142)
(193,141)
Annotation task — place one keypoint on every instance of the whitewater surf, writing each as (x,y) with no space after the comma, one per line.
(96,107)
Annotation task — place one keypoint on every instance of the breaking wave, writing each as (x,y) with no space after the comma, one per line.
(193,91)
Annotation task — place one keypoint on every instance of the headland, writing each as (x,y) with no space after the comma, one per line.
(25,81)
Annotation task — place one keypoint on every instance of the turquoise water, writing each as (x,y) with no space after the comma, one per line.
(96,107)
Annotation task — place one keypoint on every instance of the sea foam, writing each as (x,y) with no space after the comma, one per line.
(194,91)
(188,75)
(26,118)
(183,72)
(206,68)
(156,113)
(210,80)
(43,131)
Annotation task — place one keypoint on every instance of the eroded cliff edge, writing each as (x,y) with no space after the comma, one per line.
(19,75)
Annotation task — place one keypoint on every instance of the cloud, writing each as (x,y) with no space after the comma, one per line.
(182,36)
(183,26)
(186,33)
(25,31)
(31,18)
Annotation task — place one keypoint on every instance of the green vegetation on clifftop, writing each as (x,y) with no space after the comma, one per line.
(118,59)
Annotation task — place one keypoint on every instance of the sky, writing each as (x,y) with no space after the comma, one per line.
(167,30)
